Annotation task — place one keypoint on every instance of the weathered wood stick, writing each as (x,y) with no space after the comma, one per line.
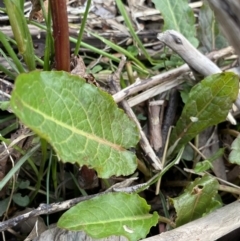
(196,60)
(208,228)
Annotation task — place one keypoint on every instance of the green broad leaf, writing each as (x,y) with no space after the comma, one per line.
(96,69)
(3,205)
(133,50)
(234,156)
(111,214)
(203,166)
(209,33)
(141,117)
(24,184)
(80,121)
(186,87)
(175,60)
(215,204)
(20,200)
(188,153)
(178,16)
(208,104)
(196,200)
(207,164)
(4,105)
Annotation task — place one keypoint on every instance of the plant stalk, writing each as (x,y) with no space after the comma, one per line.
(60,34)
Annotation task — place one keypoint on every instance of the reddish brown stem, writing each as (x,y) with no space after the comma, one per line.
(60,34)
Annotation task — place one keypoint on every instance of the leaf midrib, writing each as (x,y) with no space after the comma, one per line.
(75,130)
(200,112)
(134,218)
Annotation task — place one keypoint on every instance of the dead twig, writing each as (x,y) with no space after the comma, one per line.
(140,85)
(162,82)
(114,85)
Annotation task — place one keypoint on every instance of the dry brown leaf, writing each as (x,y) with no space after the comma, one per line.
(36,12)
